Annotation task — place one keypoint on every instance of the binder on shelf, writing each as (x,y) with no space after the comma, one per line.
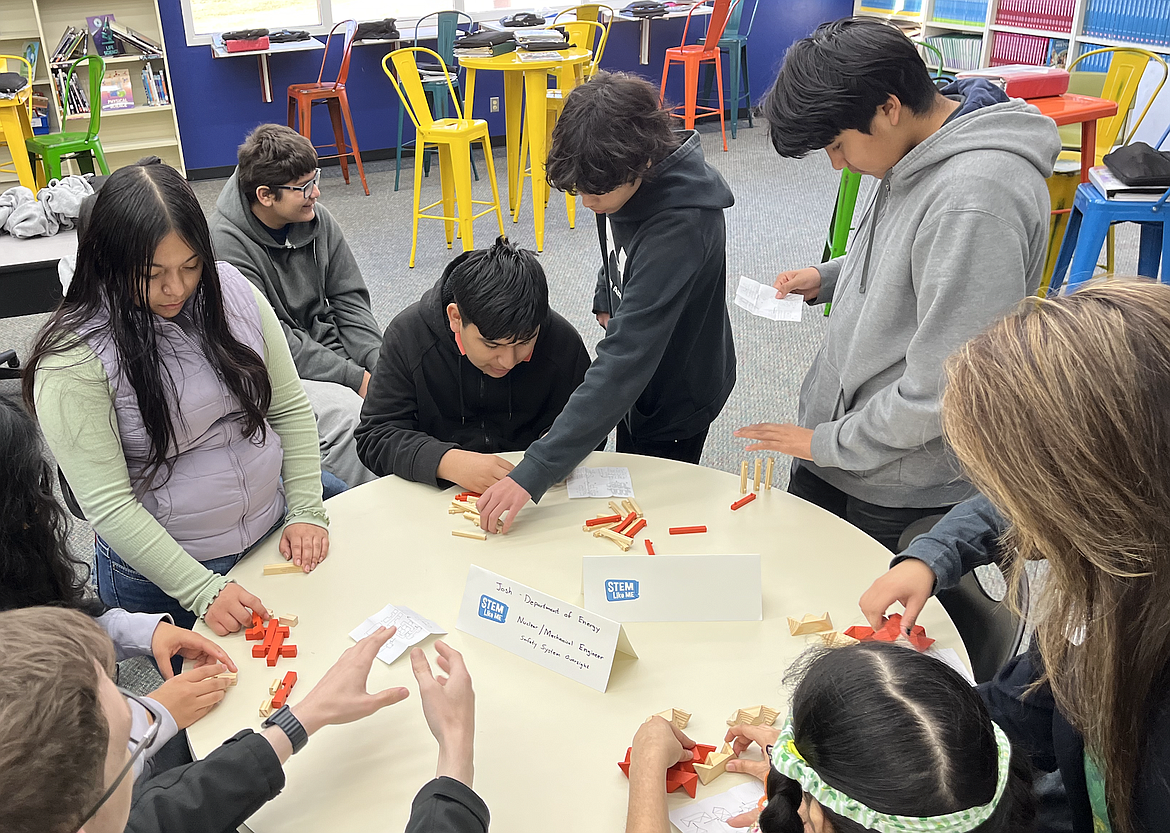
(139,41)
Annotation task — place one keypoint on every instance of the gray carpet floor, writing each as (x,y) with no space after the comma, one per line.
(779,221)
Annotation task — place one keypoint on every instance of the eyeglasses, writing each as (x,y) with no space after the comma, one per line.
(306,189)
(140,746)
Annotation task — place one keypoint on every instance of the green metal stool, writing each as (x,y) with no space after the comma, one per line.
(88,147)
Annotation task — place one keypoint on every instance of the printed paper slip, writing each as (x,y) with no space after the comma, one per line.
(760,299)
(548,631)
(673,588)
(710,815)
(412,629)
(600,481)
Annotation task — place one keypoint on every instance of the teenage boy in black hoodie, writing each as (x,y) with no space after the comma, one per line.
(667,363)
(478,366)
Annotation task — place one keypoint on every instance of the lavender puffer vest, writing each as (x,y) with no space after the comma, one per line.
(224,490)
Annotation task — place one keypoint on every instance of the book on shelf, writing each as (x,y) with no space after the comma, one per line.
(1130,21)
(129,37)
(1113,188)
(959,51)
(31,50)
(117,93)
(964,12)
(1047,15)
(72,45)
(104,42)
(154,86)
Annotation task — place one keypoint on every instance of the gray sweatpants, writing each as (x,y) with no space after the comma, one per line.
(338,409)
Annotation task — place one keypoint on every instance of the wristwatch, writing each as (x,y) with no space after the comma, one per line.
(287,722)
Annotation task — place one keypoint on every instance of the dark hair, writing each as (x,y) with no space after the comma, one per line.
(611,127)
(501,290)
(899,732)
(836,79)
(36,567)
(272,155)
(137,207)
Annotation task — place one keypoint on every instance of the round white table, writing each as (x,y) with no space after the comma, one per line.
(547,747)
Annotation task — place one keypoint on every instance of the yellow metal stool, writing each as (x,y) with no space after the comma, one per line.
(453,139)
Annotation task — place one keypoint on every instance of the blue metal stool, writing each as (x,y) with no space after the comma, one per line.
(734,43)
(1088,225)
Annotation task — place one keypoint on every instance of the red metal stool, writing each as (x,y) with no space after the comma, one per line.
(302,97)
(692,57)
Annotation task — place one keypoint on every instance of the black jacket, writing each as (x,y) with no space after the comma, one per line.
(218,793)
(425,398)
(966,538)
(667,362)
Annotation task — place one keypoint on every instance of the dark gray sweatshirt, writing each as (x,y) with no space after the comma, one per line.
(667,362)
(311,280)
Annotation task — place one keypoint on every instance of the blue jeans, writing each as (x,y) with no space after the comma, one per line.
(120,585)
(331,485)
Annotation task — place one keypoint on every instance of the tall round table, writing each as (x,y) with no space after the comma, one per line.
(526,89)
(546,746)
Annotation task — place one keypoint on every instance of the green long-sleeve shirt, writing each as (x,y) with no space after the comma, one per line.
(75,408)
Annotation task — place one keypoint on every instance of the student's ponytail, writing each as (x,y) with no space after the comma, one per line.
(782,814)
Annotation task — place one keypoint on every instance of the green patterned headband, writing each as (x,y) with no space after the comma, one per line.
(789,762)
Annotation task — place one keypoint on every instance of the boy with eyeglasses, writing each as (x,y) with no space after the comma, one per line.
(67,744)
(268,224)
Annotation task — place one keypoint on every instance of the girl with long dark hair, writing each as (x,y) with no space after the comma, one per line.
(37,570)
(165,389)
(879,738)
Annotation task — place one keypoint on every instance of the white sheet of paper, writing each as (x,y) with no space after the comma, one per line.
(951,658)
(548,631)
(412,629)
(760,299)
(600,481)
(710,815)
(673,588)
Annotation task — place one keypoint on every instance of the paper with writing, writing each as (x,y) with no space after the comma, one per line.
(760,299)
(600,481)
(710,815)
(548,631)
(673,588)
(412,629)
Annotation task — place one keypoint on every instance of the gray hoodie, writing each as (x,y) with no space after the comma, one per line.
(313,283)
(956,237)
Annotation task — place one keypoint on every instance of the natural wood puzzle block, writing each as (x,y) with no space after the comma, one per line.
(281,568)
(755,716)
(810,624)
(743,477)
(230,676)
(833,639)
(768,474)
(478,536)
(715,765)
(621,540)
(758,475)
(678,717)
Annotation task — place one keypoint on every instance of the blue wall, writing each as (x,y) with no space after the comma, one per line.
(218,101)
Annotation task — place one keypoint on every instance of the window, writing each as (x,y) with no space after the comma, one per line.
(204,18)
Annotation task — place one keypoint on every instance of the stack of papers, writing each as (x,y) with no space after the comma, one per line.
(760,299)
(412,629)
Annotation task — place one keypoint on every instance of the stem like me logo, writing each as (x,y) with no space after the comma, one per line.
(621,590)
(492,609)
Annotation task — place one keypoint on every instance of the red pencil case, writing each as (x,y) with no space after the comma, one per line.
(246,45)
(1024,81)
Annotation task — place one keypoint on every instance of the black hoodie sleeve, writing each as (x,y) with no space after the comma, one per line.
(445,805)
(601,293)
(663,262)
(215,794)
(388,437)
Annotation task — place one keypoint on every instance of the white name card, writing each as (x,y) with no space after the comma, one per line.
(673,588)
(540,628)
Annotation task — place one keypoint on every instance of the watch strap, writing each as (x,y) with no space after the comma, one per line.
(287,722)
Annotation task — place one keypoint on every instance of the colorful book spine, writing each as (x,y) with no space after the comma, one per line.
(1129,21)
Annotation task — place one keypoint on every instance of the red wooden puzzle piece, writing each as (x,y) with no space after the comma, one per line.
(286,687)
(919,639)
(681,774)
(862,633)
(890,630)
(257,629)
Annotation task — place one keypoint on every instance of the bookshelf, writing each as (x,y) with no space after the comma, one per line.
(980,33)
(127,135)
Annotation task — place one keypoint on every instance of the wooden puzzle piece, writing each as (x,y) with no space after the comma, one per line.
(266,707)
(676,716)
(768,474)
(478,536)
(649,546)
(890,630)
(287,619)
(862,633)
(715,764)
(638,526)
(755,716)
(759,475)
(743,477)
(230,676)
(686,530)
(681,774)
(919,639)
(809,624)
(280,696)
(609,535)
(281,568)
(634,505)
(833,639)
